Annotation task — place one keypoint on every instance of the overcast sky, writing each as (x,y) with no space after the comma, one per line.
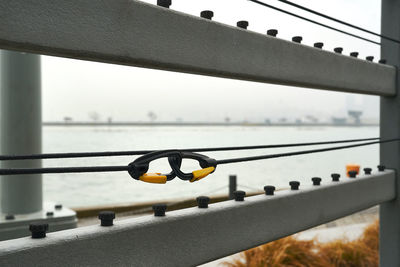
(76,88)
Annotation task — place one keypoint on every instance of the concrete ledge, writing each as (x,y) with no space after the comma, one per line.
(193,236)
(134,33)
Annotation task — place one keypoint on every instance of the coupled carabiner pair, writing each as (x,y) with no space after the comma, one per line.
(138,168)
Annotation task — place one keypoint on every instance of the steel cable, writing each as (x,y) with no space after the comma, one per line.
(224,161)
(288,154)
(314,22)
(338,20)
(142,152)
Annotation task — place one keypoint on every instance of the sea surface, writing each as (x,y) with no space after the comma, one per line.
(91,189)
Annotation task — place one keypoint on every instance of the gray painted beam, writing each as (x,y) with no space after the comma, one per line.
(193,236)
(389,127)
(133,33)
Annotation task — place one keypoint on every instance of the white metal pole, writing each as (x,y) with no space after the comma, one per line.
(21,129)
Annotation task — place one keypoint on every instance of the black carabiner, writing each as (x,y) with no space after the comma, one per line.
(207,164)
(139,167)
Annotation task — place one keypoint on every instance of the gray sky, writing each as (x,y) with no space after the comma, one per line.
(76,88)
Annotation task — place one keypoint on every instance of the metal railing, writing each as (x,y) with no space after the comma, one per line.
(133,33)
(149,36)
(194,236)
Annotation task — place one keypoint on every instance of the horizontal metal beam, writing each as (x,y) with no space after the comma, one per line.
(134,33)
(193,236)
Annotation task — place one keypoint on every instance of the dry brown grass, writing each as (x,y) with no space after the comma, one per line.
(289,251)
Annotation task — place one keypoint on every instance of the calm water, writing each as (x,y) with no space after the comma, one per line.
(75,190)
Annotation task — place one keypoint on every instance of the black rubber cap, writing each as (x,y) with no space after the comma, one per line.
(49,213)
(370,58)
(202,202)
(164,3)
(297,39)
(272,32)
(239,195)
(352,174)
(338,50)
(207,14)
(354,54)
(9,217)
(319,45)
(106,218)
(335,177)
(242,24)
(316,180)
(381,168)
(38,229)
(159,210)
(367,171)
(382,61)
(269,190)
(58,206)
(294,185)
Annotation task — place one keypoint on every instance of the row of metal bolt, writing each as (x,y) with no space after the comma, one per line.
(208,14)
(39,230)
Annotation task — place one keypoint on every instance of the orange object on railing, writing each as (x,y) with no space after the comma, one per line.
(352,167)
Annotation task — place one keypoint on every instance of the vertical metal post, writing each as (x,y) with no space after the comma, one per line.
(232,185)
(21,129)
(390,127)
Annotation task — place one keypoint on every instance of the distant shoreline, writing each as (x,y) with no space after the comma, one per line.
(183,124)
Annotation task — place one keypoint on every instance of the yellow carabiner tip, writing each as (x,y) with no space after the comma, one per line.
(154,178)
(200,174)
